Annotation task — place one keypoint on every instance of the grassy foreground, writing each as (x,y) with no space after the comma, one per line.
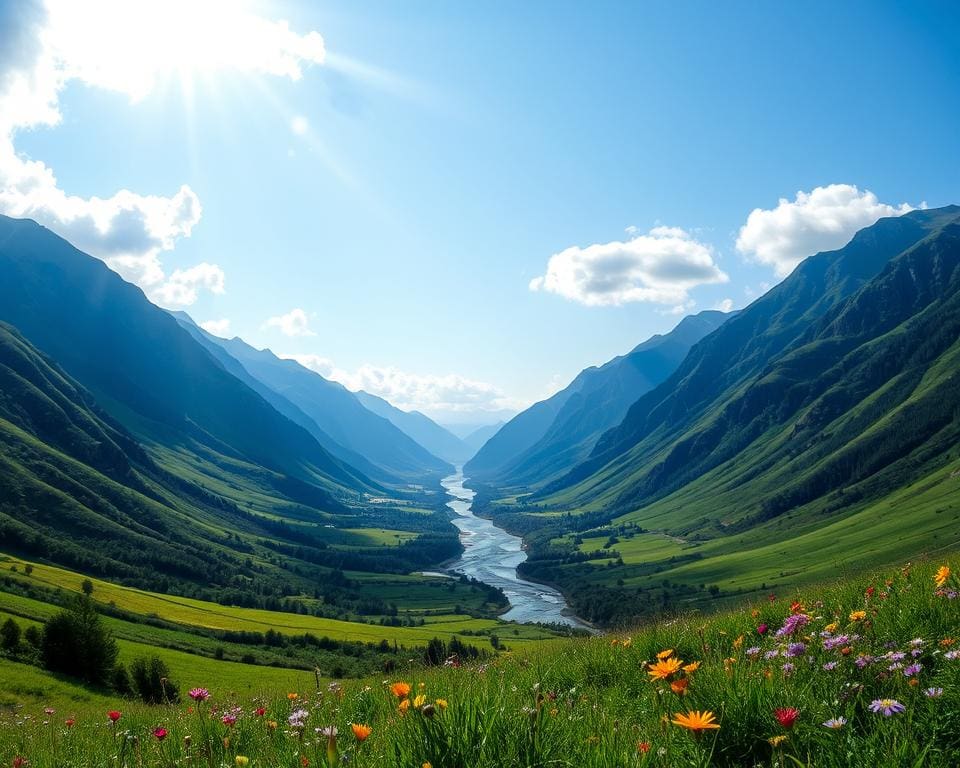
(860,673)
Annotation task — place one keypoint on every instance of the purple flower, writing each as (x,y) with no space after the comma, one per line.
(795,649)
(830,666)
(836,642)
(952,655)
(788,668)
(895,667)
(792,623)
(898,656)
(933,693)
(771,654)
(835,723)
(913,669)
(298,718)
(753,650)
(887,707)
(863,660)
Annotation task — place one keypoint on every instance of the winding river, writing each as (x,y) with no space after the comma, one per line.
(491,555)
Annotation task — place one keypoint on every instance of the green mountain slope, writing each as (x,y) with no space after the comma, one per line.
(145,370)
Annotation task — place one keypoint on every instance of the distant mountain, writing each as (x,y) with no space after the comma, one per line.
(792,357)
(281,403)
(479,437)
(339,414)
(144,369)
(553,436)
(419,427)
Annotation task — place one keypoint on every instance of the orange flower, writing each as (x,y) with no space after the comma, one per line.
(947,642)
(858,615)
(643,746)
(663,668)
(665,654)
(942,575)
(692,667)
(679,687)
(361,731)
(695,721)
(400,690)
(293,696)
(738,642)
(404,706)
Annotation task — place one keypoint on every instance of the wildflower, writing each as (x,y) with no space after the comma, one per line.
(628,642)
(229,719)
(160,733)
(886,707)
(400,690)
(738,642)
(692,667)
(293,696)
(360,731)
(857,615)
(442,703)
(241,761)
(49,711)
(792,624)
(665,654)
(663,668)
(403,706)
(933,693)
(762,629)
(776,741)
(260,711)
(831,628)
(113,715)
(951,655)
(795,649)
(752,651)
(786,716)
(947,642)
(298,718)
(427,764)
(643,747)
(679,687)
(199,694)
(913,669)
(20,762)
(796,607)
(835,723)
(69,722)
(788,669)
(695,721)
(772,654)
(830,666)
(941,576)
(420,700)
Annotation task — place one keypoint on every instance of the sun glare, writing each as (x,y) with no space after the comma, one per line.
(128,46)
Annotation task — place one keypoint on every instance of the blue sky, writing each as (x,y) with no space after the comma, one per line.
(404,190)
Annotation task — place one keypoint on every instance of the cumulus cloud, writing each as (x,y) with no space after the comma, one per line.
(431,394)
(821,220)
(294,323)
(660,267)
(725,305)
(219,327)
(124,46)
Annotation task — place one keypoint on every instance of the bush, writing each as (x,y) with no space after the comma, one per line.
(10,636)
(151,681)
(76,643)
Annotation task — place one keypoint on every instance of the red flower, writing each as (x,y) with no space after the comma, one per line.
(796,607)
(160,733)
(643,746)
(113,715)
(20,762)
(786,716)
(69,722)
(260,712)
(870,591)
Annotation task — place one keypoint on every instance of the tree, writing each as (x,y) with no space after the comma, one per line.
(151,681)
(76,642)
(87,587)
(10,635)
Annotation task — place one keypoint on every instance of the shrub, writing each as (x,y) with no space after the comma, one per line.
(151,681)
(75,642)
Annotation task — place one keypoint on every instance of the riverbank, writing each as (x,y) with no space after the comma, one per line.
(491,555)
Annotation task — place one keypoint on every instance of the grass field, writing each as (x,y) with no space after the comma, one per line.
(858,673)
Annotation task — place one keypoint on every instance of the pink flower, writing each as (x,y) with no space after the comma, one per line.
(160,733)
(229,719)
(199,694)
(762,629)
(786,716)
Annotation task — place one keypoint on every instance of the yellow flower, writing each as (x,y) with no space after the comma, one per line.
(695,721)
(858,615)
(940,578)
(663,668)
(738,642)
(400,690)
(426,765)
(419,701)
(272,725)
(441,703)
(692,667)
(404,706)
(293,696)
(241,760)
(832,627)
(665,654)
(776,741)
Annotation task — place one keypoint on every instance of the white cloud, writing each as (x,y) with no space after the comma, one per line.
(821,220)
(219,327)
(659,267)
(725,305)
(431,394)
(294,323)
(299,125)
(125,46)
